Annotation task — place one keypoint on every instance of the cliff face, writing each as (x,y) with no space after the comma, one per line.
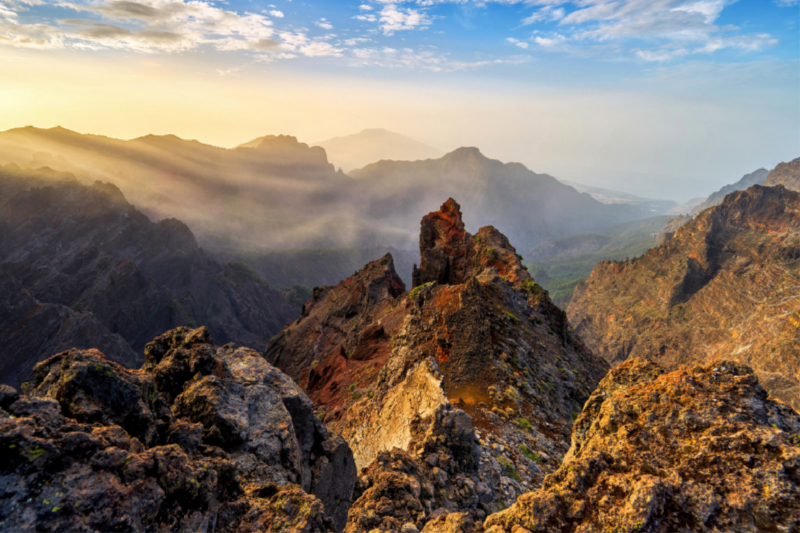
(466,387)
(200,439)
(786,174)
(695,450)
(725,286)
(83,268)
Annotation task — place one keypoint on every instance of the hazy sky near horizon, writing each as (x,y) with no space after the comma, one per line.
(666,98)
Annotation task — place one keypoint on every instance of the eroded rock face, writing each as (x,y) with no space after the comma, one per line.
(700,449)
(725,286)
(786,174)
(199,436)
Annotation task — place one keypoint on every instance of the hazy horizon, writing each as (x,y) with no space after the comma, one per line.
(670,99)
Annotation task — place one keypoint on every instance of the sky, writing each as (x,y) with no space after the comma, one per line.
(662,98)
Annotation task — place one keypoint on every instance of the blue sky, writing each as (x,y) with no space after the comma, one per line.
(665,97)
(438,35)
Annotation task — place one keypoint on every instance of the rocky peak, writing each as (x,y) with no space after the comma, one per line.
(444,247)
(450,255)
(458,395)
(786,174)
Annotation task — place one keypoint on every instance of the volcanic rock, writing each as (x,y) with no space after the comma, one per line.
(695,450)
(725,286)
(484,348)
(343,335)
(200,439)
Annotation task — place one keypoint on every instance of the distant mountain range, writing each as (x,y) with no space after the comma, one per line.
(608,196)
(360,149)
(275,193)
(748,180)
(528,207)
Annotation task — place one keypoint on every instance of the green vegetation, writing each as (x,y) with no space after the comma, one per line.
(531,287)
(240,273)
(416,290)
(524,424)
(513,318)
(509,470)
(535,457)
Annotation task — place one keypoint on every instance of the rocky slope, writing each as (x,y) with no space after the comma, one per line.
(81,267)
(200,439)
(725,286)
(697,450)
(458,395)
(786,174)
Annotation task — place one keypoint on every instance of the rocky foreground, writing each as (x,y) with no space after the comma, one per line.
(208,439)
(695,450)
(201,439)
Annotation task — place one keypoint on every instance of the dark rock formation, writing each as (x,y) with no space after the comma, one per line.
(725,286)
(82,268)
(786,174)
(695,450)
(200,439)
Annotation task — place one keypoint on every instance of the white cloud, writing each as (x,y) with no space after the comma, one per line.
(277,14)
(517,42)
(395,19)
(324,24)
(143,26)
(549,41)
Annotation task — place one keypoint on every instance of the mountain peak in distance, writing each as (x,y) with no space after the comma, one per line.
(375,144)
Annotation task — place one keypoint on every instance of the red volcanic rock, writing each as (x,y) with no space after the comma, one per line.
(343,336)
(450,255)
(444,247)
